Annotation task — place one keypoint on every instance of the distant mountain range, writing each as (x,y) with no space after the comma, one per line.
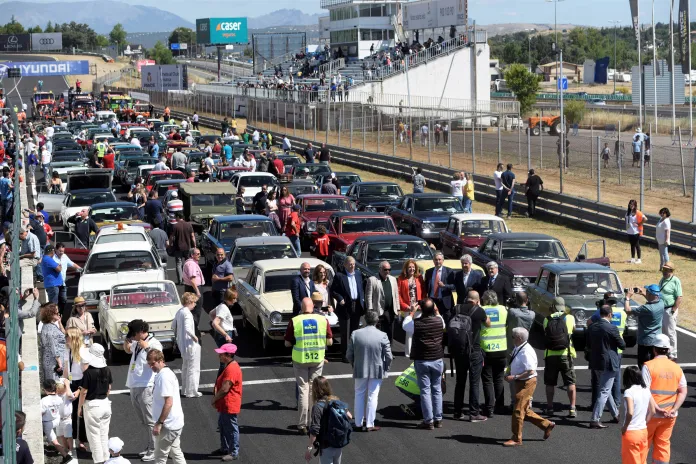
(284,17)
(101,15)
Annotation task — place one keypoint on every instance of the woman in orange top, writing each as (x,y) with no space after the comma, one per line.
(411,291)
(634,228)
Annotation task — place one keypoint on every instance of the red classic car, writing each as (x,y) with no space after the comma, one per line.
(316,209)
(344,227)
(154,176)
(468,230)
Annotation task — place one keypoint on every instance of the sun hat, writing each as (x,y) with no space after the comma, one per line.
(227,348)
(115,444)
(96,356)
(668,265)
(661,341)
(317,297)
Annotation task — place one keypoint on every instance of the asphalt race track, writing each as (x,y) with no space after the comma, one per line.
(268,417)
(25,85)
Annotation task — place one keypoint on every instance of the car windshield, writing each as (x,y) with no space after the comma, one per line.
(380,190)
(486,227)
(147,294)
(120,237)
(588,283)
(120,261)
(377,252)
(255,181)
(312,168)
(195,157)
(67,157)
(246,256)
(370,224)
(290,161)
(119,213)
(533,249)
(168,176)
(212,200)
(326,204)
(439,205)
(236,229)
(134,163)
(347,179)
(88,199)
(297,190)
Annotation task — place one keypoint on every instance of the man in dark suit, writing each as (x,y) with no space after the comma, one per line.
(603,343)
(302,286)
(466,279)
(497,282)
(439,285)
(347,290)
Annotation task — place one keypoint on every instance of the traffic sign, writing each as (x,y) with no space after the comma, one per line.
(563,83)
(176,46)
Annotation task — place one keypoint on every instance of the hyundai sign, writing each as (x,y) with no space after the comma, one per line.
(221,31)
(15,42)
(47,41)
(47,68)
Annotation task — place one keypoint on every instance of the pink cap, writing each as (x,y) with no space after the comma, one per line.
(228,348)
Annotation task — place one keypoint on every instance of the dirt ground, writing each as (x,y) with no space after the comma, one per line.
(102,67)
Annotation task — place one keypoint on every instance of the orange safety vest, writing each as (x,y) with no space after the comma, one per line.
(665,375)
(3,358)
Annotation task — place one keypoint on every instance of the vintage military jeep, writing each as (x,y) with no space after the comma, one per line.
(205,200)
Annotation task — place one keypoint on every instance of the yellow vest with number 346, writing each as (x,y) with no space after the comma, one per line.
(310,339)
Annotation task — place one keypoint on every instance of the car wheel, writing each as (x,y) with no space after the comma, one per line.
(266,341)
(536,131)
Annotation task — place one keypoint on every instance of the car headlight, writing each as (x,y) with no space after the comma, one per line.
(275,317)
(123,330)
(311,226)
(427,225)
(248,200)
(520,281)
(89,295)
(370,209)
(579,317)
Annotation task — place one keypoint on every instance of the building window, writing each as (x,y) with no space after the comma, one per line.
(349,35)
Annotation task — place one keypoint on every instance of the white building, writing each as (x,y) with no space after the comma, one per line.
(355,26)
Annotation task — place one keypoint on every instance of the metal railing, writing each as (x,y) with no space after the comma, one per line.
(281,59)
(332,66)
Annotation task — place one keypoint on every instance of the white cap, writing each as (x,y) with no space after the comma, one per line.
(175,194)
(661,341)
(115,444)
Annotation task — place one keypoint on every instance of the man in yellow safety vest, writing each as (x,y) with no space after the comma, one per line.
(407,383)
(308,334)
(494,347)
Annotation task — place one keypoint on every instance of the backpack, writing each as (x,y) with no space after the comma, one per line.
(335,427)
(556,334)
(459,334)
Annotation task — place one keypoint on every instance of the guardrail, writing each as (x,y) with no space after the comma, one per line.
(571,96)
(281,59)
(332,66)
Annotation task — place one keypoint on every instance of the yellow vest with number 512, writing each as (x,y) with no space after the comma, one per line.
(310,339)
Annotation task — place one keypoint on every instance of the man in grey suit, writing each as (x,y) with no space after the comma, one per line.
(382,296)
(370,354)
(467,279)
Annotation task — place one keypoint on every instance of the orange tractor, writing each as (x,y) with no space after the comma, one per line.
(537,124)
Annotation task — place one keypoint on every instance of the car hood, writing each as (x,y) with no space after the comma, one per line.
(127,222)
(527,268)
(378,200)
(278,301)
(103,281)
(430,216)
(350,238)
(150,314)
(317,215)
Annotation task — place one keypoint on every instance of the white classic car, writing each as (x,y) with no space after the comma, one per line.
(265,299)
(117,263)
(154,302)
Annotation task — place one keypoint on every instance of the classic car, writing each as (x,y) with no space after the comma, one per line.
(155,302)
(580,285)
(66,145)
(194,133)
(288,161)
(77,200)
(225,230)
(521,255)
(68,158)
(343,228)
(469,230)
(128,171)
(424,214)
(162,175)
(345,180)
(246,251)
(225,173)
(299,187)
(205,200)
(165,185)
(252,183)
(119,212)
(374,196)
(136,232)
(264,296)
(120,262)
(316,209)
(76,179)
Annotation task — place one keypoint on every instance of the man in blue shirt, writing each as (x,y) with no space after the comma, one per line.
(39,210)
(65,262)
(52,272)
(508,180)
(222,276)
(6,195)
(155,148)
(228,152)
(649,319)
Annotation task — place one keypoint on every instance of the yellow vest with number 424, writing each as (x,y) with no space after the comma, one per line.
(493,338)
(407,381)
(310,339)
(618,318)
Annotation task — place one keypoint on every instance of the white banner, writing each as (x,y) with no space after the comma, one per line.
(451,13)
(162,77)
(47,41)
(183,46)
(429,14)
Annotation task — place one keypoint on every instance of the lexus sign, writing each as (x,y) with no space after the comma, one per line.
(47,41)
(15,42)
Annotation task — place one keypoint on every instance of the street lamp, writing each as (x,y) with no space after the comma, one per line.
(616,67)
(555,28)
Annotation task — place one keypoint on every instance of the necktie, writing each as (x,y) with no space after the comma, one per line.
(437,283)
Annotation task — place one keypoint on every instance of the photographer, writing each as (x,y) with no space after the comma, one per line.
(649,319)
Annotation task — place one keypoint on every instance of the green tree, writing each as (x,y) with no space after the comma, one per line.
(182,35)
(523,84)
(161,54)
(49,27)
(102,41)
(574,111)
(117,36)
(512,53)
(13,27)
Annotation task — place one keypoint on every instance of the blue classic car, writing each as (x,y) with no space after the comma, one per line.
(424,214)
(224,230)
(374,196)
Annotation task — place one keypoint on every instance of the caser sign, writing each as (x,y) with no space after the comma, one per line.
(237,26)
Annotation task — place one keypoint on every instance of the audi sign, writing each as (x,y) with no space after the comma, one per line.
(15,42)
(47,41)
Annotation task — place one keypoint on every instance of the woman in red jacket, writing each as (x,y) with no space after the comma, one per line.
(411,291)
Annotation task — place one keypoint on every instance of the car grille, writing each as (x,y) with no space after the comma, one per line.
(439,225)
(286,317)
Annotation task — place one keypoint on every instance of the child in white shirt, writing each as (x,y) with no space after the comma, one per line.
(64,430)
(50,417)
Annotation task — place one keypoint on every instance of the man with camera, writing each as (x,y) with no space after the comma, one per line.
(649,319)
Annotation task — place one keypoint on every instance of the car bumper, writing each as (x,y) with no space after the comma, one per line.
(167,343)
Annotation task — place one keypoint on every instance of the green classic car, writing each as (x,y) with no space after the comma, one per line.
(205,200)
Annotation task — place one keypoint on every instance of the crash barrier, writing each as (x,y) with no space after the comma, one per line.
(580,212)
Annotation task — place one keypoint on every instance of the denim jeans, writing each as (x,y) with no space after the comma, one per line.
(295,240)
(606,383)
(467,205)
(430,383)
(510,199)
(52,294)
(44,168)
(664,253)
(229,433)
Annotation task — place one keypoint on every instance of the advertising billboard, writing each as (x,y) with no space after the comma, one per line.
(47,41)
(163,77)
(221,31)
(140,63)
(435,13)
(47,68)
(15,42)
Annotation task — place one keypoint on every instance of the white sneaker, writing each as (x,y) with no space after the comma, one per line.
(633,261)
(143,453)
(195,395)
(638,261)
(150,456)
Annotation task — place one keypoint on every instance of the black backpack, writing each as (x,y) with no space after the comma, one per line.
(459,334)
(335,427)
(556,335)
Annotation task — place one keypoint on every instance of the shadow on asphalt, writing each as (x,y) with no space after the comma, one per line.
(477,440)
(266,405)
